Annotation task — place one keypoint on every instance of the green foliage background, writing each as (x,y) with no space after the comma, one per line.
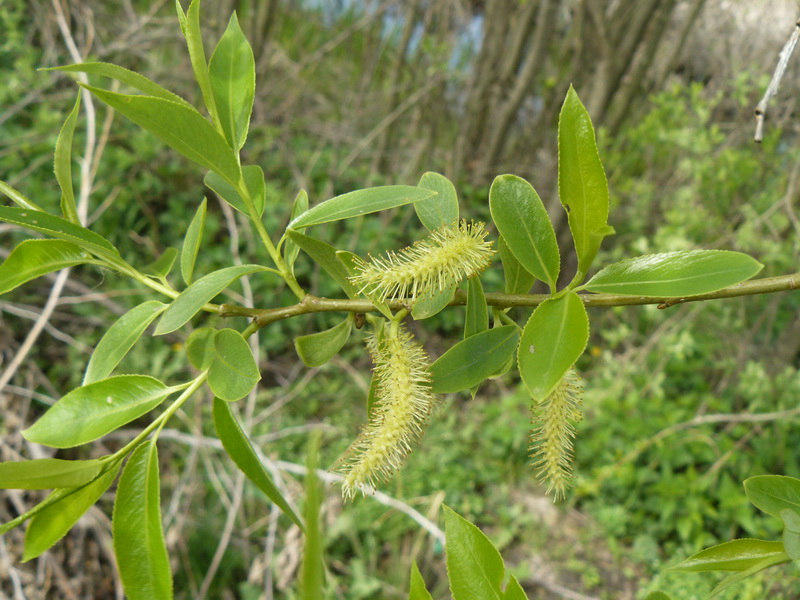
(682,174)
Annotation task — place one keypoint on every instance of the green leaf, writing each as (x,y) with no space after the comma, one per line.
(477,318)
(190,26)
(291,249)
(657,596)
(62,229)
(53,521)
(238,447)
(522,220)
(474,565)
(516,279)
(233,372)
(737,577)
(474,359)
(735,555)
(360,202)
(773,493)
(318,348)
(63,164)
(675,274)
(417,589)
(179,127)
(119,339)
(312,572)
(123,75)
(91,411)
(325,256)
(34,258)
(19,198)
(791,533)
(139,543)
(192,241)
(350,260)
(194,298)
(432,302)
(582,185)
(162,266)
(47,473)
(232,72)
(514,590)
(200,347)
(441,209)
(552,340)
(253,179)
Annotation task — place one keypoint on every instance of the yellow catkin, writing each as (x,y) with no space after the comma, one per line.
(448,255)
(403,405)
(551,438)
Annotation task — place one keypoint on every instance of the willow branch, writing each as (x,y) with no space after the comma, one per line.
(312,304)
(772,89)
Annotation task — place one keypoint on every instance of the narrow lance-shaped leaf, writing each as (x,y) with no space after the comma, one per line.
(190,26)
(47,473)
(553,339)
(735,555)
(179,127)
(233,372)
(514,590)
(769,561)
(318,348)
(91,411)
(325,256)
(474,565)
(19,198)
(62,164)
(291,249)
(477,318)
(52,523)
(232,72)
(675,274)
(238,447)
(34,258)
(439,210)
(139,543)
(192,241)
(123,75)
(522,220)
(474,359)
(254,180)
(417,589)
(194,298)
(162,266)
(312,573)
(582,185)
(360,202)
(59,228)
(119,339)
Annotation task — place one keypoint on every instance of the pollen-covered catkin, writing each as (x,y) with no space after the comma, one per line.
(554,429)
(403,404)
(448,255)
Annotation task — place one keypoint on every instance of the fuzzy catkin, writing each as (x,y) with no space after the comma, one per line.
(554,429)
(403,404)
(448,255)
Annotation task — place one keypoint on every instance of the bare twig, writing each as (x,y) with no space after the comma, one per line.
(772,88)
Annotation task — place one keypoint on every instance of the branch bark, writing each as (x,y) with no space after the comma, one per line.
(312,304)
